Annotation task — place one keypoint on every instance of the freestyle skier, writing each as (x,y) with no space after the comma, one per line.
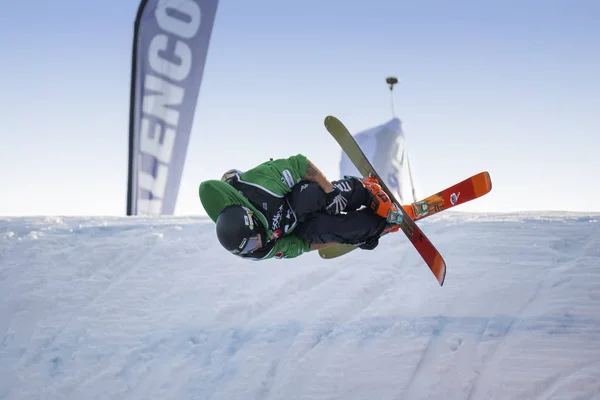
(285,207)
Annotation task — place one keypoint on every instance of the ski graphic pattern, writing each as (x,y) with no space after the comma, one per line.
(460,193)
(422,244)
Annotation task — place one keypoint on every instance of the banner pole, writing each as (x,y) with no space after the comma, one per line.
(392,80)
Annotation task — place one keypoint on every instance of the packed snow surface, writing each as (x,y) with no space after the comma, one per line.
(154,308)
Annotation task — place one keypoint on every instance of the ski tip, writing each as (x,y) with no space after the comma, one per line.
(482,183)
(439,270)
(442,279)
(488,180)
(330,119)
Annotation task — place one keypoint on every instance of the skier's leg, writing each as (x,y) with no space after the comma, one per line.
(353,191)
(308,198)
(353,227)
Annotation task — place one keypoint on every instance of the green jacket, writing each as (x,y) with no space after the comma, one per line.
(263,190)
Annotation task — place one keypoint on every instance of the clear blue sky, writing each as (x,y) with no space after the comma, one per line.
(511,87)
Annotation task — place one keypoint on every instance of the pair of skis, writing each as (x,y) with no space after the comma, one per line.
(469,189)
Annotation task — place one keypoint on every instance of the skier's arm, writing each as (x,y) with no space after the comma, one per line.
(314,174)
(277,176)
(289,246)
(317,246)
(335,202)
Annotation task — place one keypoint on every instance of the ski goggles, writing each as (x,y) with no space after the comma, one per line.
(250,244)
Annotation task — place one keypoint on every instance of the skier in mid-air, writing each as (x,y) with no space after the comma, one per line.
(285,207)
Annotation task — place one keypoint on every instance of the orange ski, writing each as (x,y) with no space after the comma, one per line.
(467,190)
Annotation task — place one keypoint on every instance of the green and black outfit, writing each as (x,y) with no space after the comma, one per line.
(291,209)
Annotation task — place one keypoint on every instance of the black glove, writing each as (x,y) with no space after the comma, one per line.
(335,203)
(370,244)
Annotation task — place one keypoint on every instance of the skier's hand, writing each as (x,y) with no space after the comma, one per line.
(370,244)
(335,202)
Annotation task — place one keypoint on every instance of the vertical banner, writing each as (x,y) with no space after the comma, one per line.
(170,46)
(384,147)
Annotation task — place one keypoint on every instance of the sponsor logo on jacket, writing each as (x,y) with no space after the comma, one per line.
(287,178)
(276,222)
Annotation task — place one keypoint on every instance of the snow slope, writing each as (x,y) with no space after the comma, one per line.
(135,308)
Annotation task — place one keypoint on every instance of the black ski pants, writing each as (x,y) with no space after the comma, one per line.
(307,199)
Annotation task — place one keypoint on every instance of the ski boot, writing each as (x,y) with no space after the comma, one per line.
(390,228)
(380,202)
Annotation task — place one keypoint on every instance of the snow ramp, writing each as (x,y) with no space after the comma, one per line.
(154,308)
